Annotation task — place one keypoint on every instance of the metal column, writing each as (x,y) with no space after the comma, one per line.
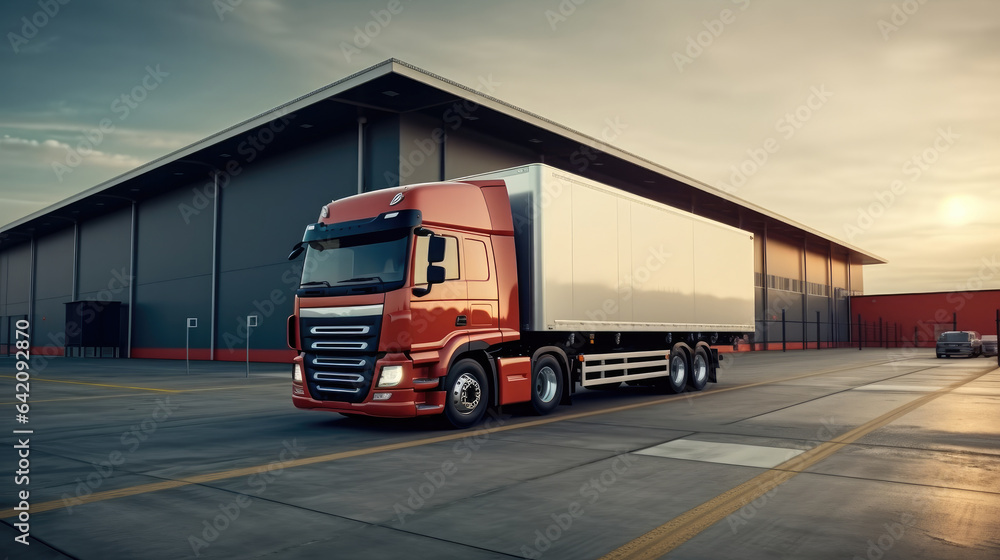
(763,250)
(361,154)
(216,209)
(805,293)
(31,284)
(75,292)
(131,274)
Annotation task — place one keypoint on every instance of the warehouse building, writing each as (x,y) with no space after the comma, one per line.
(181,251)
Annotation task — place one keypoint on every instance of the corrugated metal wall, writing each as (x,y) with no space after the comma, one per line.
(262,212)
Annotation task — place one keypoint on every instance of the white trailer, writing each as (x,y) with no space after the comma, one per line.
(626,280)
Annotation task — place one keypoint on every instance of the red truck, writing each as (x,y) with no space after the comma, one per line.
(509,287)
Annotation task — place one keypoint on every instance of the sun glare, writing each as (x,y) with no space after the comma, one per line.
(958,210)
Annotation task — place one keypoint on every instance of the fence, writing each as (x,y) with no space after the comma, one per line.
(864,333)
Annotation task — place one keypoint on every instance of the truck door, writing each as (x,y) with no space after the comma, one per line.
(482,283)
(437,316)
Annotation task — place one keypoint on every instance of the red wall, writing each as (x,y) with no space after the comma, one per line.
(975,311)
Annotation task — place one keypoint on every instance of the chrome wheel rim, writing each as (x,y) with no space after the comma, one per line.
(466,393)
(546,384)
(678,370)
(700,368)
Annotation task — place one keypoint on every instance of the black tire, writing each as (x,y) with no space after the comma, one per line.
(940,356)
(701,366)
(546,384)
(677,371)
(466,394)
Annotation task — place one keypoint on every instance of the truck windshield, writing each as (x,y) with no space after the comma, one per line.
(955,337)
(373,257)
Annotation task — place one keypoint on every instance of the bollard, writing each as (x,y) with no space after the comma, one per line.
(783,344)
(818,334)
(192,323)
(251,322)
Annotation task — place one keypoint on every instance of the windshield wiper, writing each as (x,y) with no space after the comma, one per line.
(361,279)
(316,283)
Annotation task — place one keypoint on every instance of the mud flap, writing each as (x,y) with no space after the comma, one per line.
(715,357)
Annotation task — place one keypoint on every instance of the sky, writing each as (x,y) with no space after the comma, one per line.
(876,122)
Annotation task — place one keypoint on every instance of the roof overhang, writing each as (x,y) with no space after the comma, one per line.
(420,91)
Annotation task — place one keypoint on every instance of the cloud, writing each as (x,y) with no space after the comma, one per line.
(41,46)
(607,60)
(24,151)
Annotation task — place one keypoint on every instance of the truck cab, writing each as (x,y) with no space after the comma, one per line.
(398,286)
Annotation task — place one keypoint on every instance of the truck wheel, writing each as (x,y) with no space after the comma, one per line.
(678,369)
(466,394)
(547,385)
(699,369)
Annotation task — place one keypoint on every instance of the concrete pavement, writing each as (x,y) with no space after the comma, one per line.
(136,459)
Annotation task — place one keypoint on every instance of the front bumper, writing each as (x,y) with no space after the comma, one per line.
(397,402)
(963,351)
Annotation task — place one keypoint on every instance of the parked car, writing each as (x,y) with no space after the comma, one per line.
(989,345)
(959,343)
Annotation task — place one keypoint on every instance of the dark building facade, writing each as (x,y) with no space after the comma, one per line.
(203,233)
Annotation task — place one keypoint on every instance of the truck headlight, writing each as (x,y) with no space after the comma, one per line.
(297,373)
(391,376)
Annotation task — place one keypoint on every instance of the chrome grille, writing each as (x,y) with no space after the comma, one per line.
(340,354)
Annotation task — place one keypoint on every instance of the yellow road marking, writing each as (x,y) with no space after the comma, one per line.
(684,527)
(96,384)
(212,477)
(232,387)
(33,401)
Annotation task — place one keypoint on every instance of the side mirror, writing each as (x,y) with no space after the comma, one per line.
(296,251)
(435,275)
(435,251)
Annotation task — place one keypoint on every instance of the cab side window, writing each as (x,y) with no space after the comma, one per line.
(450,262)
(477,267)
